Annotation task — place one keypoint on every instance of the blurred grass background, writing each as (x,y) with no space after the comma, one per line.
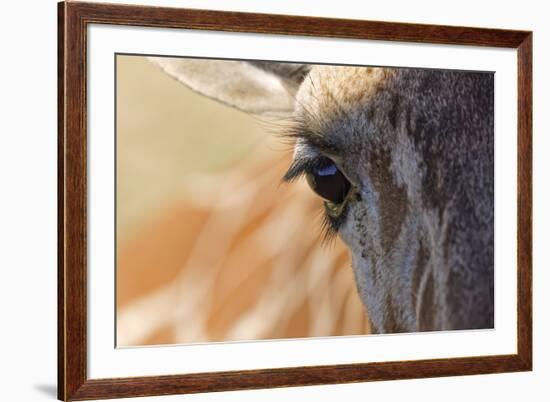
(210,245)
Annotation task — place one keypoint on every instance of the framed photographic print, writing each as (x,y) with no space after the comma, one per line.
(254,201)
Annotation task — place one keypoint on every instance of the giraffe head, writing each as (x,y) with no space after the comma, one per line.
(403,159)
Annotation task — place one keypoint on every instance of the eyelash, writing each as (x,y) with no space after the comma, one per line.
(300,167)
(330,226)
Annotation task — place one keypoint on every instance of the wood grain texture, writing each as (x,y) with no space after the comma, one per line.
(72,198)
(298,376)
(525,191)
(295,25)
(60,201)
(73,383)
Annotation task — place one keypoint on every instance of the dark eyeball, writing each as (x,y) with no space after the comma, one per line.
(328,182)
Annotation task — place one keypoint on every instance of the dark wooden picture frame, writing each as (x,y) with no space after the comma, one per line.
(73,382)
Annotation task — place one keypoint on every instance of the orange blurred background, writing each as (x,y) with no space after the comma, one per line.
(211,246)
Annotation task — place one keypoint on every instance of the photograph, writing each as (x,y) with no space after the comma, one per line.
(266,200)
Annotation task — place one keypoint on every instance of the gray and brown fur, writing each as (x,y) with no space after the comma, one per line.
(417,148)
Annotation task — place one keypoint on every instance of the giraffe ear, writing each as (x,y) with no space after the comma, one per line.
(262,88)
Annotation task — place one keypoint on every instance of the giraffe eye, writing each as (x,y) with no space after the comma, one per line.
(328,182)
